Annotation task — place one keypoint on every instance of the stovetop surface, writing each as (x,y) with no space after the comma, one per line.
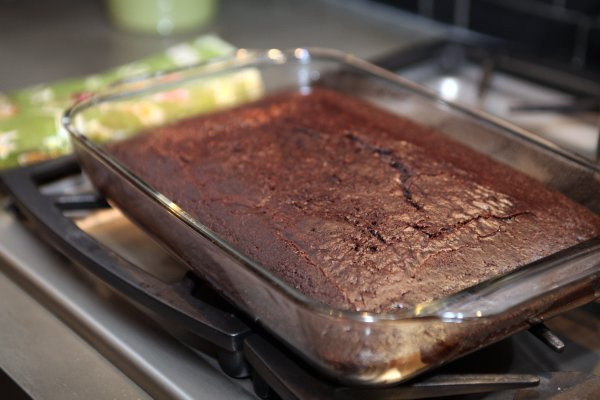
(103,341)
(515,100)
(556,105)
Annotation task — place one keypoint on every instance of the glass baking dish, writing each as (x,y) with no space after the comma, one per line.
(352,347)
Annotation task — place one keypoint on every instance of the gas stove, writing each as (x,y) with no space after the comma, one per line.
(174,337)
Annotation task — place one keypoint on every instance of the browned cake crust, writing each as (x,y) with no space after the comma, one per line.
(354,206)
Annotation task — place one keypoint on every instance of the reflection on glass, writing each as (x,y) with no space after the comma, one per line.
(449,88)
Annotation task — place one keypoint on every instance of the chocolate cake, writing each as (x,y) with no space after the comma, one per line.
(354,206)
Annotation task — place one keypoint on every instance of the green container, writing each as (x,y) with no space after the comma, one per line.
(163,17)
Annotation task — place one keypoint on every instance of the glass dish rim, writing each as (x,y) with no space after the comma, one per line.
(249,58)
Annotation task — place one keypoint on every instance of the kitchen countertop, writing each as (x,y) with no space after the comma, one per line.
(46,41)
(65,38)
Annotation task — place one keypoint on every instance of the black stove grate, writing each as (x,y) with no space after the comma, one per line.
(242,348)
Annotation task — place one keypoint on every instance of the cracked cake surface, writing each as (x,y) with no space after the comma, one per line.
(354,206)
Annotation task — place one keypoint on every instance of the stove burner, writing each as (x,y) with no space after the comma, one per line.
(195,314)
(556,104)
